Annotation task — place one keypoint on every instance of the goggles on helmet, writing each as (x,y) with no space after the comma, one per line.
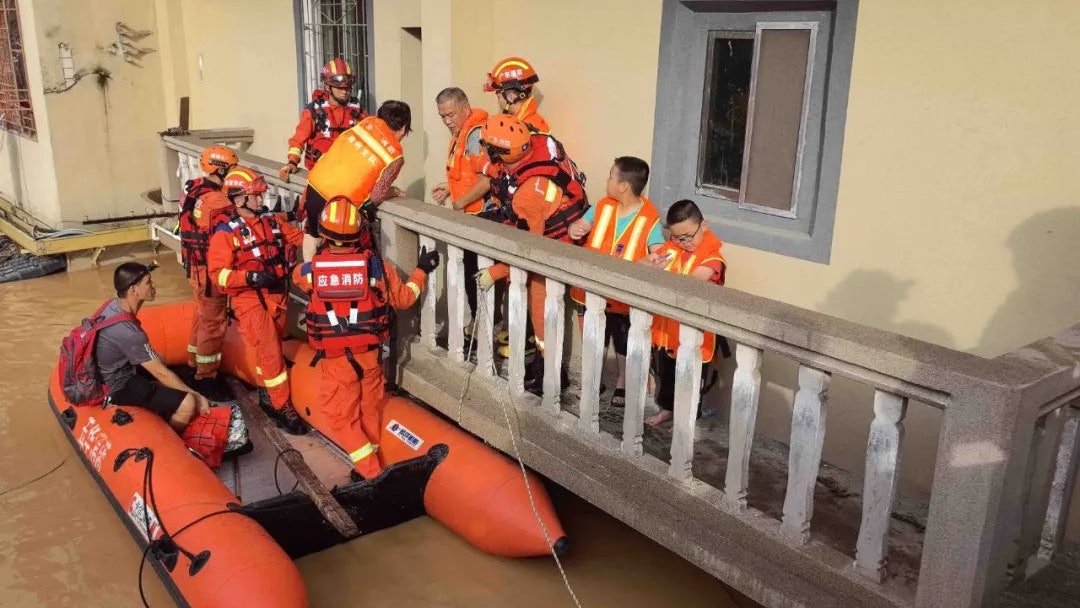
(340,80)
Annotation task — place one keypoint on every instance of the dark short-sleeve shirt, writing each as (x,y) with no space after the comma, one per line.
(120,348)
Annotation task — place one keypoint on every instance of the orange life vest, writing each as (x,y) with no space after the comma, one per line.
(632,245)
(256,252)
(665,331)
(348,313)
(529,113)
(355,161)
(194,241)
(325,132)
(545,158)
(459,175)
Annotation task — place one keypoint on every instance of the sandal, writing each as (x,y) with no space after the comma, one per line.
(618,398)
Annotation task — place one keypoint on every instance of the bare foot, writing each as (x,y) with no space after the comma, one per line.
(659,418)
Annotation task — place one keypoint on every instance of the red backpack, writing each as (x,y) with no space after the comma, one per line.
(79,376)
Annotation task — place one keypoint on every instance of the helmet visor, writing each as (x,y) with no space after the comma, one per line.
(341,81)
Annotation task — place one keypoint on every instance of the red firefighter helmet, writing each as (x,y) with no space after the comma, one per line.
(506,138)
(217,158)
(341,220)
(338,73)
(511,73)
(242,180)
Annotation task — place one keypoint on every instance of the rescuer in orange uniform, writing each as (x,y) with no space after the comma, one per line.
(626,225)
(247,260)
(362,165)
(331,112)
(691,250)
(542,191)
(348,320)
(203,204)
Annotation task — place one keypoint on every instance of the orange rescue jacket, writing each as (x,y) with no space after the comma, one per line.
(460,173)
(355,161)
(321,122)
(665,331)
(631,245)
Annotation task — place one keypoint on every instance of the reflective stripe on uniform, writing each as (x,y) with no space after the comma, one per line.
(191,348)
(223,277)
(277,380)
(600,230)
(551,192)
(412,286)
(208,358)
(362,453)
(295,151)
(635,237)
(374,145)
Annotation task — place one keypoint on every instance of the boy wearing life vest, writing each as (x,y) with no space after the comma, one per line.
(247,261)
(203,205)
(691,250)
(362,165)
(542,191)
(624,225)
(348,320)
(332,111)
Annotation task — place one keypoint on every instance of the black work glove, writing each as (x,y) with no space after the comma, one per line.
(429,260)
(368,210)
(263,280)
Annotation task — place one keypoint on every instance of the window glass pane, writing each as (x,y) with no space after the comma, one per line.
(724,122)
(776,125)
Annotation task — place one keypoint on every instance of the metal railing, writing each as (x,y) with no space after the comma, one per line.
(1006,454)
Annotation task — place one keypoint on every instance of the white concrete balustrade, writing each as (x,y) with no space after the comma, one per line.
(1007,459)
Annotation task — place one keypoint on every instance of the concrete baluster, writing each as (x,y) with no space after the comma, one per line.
(638,352)
(592,361)
(745,394)
(455,303)
(879,484)
(1061,487)
(687,400)
(1048,432)
(484,325)
(554,331)
(804,457)
(428,319)
(516,326)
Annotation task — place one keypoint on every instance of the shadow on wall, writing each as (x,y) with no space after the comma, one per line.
(1046,258)
(873,297)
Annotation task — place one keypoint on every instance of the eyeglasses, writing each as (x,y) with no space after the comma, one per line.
(686,238)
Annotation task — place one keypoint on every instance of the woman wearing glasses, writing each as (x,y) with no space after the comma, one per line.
(691,250)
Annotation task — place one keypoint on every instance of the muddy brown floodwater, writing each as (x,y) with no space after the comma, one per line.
(61,544)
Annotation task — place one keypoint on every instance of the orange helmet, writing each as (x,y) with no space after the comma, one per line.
(337,73)
(242,180)
(506,138)
(511,73)
(341,220)
(217,158)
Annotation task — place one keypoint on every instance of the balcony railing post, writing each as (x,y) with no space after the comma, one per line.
(1039,476)
(975,502)
(745,393)
(687,400)
(1061,486)
(428,319)
(554,332)
(638,351)
(455,303)
(517,297)
(484,326)
(881,475)
(804,458)
(592,360)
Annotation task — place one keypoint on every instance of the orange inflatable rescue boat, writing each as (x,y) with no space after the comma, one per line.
(229,539)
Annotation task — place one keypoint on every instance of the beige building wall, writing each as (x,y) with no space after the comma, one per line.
(27,170)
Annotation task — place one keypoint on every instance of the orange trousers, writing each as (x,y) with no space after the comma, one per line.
(262,329)
(353,408)
(208,326)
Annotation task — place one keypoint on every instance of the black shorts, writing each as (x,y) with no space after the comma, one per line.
(313,205)
(143,390)
(617,329)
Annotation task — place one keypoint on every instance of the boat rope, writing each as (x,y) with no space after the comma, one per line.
(505,404)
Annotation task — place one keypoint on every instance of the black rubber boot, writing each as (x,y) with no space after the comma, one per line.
(534,375)
(291,422)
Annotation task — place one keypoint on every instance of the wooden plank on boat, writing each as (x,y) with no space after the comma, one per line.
(308,482)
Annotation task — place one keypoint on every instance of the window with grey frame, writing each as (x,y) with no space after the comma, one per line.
(329,29)
(750,109)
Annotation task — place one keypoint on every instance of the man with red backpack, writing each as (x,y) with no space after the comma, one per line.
(132,372)
(348,320)
(332,111)
(203,206)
